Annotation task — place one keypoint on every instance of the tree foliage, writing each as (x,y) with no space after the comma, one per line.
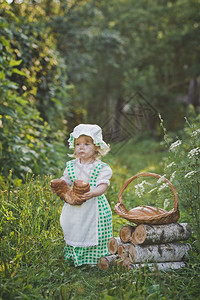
(114,50)
(116,63)
(34,94)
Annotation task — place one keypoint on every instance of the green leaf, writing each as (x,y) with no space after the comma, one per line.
(5,110)
(26,169)
(4,41)
(14,62)
(12,85)
(21,101)
(2,75)
(15,70)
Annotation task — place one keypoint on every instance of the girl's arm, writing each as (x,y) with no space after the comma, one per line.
(99,190)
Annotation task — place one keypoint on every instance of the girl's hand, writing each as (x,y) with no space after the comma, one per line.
(99,190)
(87,196)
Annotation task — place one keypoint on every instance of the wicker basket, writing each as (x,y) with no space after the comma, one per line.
(148,214)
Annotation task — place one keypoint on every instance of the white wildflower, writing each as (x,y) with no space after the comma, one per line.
(164,185)
(175,145)
(194,152)
(191,173)
(170,165)
(161,179)
(196,132)
(172,176)
(139,188)
(166,203)
(151,191)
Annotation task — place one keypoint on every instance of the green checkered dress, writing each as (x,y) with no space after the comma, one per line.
(90,255)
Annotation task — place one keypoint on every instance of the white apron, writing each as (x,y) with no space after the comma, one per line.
(80,222)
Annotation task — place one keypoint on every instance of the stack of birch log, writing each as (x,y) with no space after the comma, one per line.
(149,245)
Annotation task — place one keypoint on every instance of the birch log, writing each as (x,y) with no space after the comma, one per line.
(113,244)
(132,239)
(161,253)
(105,261)
(127,263)
(126,233)
(164,266)
(159,234)
(126,250)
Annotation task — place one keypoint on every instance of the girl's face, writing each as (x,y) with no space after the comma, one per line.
(84,148)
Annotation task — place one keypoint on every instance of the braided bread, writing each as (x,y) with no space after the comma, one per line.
(80,187)
(65,193)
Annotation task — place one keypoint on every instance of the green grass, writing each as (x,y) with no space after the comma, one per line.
(32,264)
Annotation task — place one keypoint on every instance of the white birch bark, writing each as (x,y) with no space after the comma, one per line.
(164,266)
(161,253)
(160,234)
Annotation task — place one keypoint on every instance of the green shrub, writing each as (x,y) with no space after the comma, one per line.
(184,162)
(28,143)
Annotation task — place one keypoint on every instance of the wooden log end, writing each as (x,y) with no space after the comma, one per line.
(126,263)
(113,245)
(122,252)
(132,239)
(132,253)
(126,232)
(139,235)
(127,250)
(103,263)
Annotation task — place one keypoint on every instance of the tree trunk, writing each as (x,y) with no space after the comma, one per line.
(118,118)
(161,253)
(164,266)
(159,234)
(193,93)
(113,244)
(126,233)
(105,261)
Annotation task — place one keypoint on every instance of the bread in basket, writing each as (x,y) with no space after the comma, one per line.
(147,214)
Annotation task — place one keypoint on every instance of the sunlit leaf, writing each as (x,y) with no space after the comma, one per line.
(14,70)
(14,62)
(2,75)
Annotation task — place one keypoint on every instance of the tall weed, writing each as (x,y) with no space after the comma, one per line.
(32,264)
(183,162)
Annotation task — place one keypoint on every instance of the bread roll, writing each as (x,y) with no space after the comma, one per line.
(65,193)
(80,187)
(144,211)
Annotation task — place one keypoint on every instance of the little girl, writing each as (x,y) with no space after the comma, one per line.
(87,227)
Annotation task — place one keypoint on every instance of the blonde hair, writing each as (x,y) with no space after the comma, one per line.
(98,151)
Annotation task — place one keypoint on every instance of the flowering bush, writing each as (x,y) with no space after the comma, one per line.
(184,163)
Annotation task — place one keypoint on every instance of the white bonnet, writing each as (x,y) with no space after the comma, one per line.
(94,131)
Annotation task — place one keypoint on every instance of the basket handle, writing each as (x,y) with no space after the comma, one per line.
(147,174)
